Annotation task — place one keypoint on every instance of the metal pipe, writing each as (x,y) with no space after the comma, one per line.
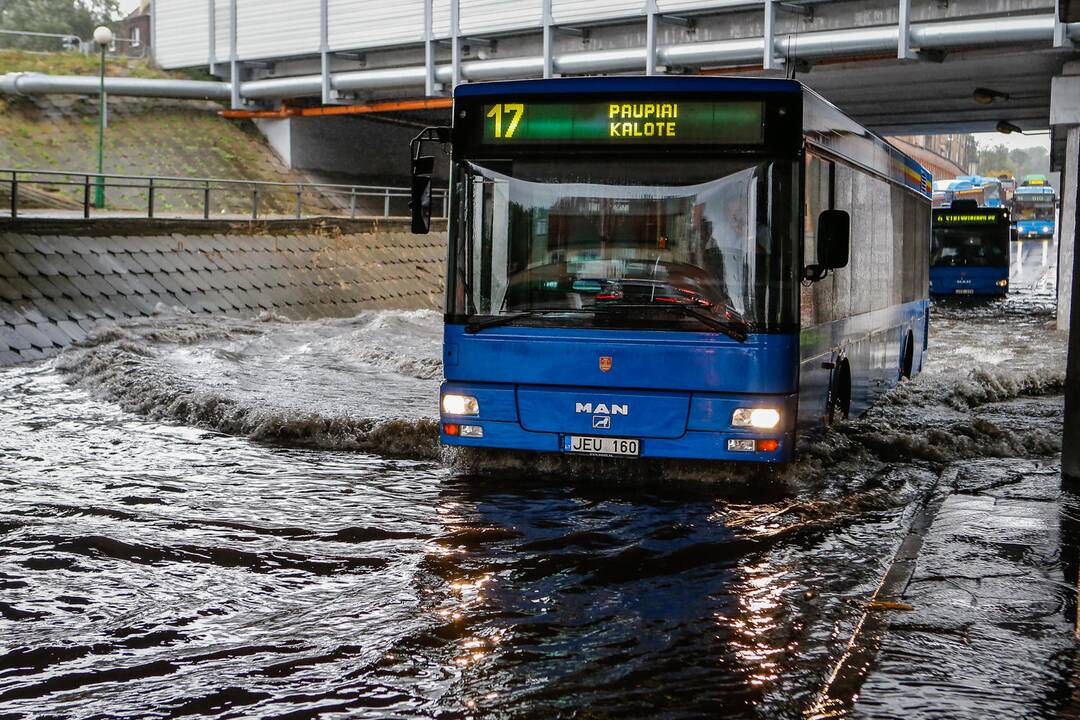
(41,84)
(1030,28)
(818,45)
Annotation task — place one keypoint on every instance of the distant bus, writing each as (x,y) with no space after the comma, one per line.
(944,192)
(969,252)
(984,191)
(659,267)
(1034,181)
(1008,186)
(1035,211)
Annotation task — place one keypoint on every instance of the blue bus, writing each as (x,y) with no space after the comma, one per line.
(1034,210)
(985,191)
(969,251)
(674,267)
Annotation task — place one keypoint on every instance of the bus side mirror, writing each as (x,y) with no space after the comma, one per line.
(833,239)
(423,167)
(420,195)
(833,244)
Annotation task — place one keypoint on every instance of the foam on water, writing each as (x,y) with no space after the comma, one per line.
(370,383)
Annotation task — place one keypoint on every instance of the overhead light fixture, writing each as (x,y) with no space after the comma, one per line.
(985,96)
(1007,127)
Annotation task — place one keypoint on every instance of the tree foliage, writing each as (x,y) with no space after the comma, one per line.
(68,17)
(996,159)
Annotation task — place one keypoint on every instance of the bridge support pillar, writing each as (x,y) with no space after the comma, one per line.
(1065,116)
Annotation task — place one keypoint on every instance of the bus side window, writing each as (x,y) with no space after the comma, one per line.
(841,284)
(817,197)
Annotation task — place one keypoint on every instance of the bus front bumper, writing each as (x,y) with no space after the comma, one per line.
(693,445)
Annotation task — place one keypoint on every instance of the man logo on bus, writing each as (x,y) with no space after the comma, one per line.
(605,363)
(601,409)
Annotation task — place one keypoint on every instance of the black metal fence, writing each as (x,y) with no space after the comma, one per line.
(59,191)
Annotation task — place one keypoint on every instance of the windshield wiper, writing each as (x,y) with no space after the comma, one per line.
(735,329)
(474,326)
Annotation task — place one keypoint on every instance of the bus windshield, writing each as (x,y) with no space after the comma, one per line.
(1033,206)
(650,243)
(970,247)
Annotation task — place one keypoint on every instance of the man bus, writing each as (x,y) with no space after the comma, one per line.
(659,267)
(1035,211)
(969,251)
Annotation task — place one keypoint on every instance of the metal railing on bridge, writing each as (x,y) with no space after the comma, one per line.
(53,193)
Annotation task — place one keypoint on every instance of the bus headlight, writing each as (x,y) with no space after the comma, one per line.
(1002,283)
(453,404)
(761,418)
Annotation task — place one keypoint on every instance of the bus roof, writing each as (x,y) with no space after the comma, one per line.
(953,184)
(824,125)
(662,83)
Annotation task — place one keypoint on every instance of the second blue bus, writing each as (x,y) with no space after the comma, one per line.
(969,252)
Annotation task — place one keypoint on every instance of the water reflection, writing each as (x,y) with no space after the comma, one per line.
(634,603)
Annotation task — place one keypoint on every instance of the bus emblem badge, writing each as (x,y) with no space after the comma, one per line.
(605,363)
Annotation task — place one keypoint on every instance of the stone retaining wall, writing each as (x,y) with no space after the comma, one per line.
(58,278)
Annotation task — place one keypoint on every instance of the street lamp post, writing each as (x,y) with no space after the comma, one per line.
(102,36)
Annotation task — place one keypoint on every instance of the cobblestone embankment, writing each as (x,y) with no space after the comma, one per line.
(59,278)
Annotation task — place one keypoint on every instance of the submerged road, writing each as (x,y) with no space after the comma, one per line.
(210,517)
(1032,262)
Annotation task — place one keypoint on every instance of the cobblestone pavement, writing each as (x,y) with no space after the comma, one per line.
(986,623)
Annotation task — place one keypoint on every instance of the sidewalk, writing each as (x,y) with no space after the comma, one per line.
(990,632)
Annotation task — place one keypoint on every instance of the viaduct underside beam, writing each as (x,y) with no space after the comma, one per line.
(1025,32)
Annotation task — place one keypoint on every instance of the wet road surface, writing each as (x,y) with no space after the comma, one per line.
(233,519)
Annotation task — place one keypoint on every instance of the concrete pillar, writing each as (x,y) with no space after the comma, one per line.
(1065,115)
(279,134)
(1070,441)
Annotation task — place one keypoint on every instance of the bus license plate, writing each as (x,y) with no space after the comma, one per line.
(602,445)
(965,291)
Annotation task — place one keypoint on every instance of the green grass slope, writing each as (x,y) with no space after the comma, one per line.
(156,137)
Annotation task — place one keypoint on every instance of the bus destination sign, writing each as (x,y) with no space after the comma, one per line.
(624,122)
(969,218)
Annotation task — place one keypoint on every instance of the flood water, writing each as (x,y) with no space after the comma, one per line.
(213,517)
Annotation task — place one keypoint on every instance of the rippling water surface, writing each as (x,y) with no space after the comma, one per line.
(211,517)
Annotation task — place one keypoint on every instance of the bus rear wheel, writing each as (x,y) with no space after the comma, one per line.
(909,357)
(840,393)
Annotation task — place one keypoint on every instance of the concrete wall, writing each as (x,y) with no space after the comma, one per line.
(373,152)
(59,278)
(279,134)
(1067,227)
(1065,117)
